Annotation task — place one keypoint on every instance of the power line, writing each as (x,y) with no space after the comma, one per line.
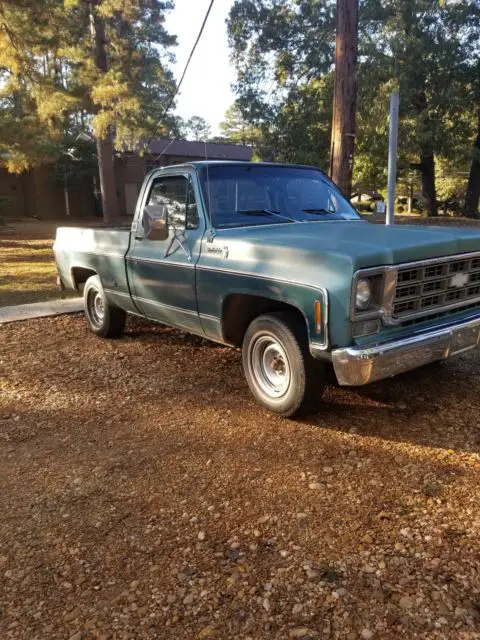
(190,56)
(170,102)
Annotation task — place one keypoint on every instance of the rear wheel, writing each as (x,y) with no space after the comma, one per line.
(280,371)
(103,318)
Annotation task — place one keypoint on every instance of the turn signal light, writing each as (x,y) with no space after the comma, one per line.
(318,317)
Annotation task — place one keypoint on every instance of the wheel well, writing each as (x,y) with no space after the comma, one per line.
(240,309)
(80,275)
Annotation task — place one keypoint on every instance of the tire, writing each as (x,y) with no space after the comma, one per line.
(104,319)
(276,343)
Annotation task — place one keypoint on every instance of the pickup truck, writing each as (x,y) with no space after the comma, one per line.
(273,259)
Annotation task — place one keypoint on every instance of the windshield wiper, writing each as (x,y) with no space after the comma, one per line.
(319,210)
(262,212)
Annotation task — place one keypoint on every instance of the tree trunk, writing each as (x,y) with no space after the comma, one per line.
(106,166)
(427,171)
(472,196)
(345,95)
(108,185)
(26,186)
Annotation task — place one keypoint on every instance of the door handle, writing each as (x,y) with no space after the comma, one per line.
(139,238)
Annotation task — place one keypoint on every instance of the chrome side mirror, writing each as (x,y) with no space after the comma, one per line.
(155,222)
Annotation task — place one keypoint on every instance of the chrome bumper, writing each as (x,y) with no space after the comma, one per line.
(356,365)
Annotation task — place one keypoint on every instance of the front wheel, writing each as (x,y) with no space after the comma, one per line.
(280,371)
(104,319)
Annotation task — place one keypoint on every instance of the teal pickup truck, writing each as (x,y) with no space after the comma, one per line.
(273,259)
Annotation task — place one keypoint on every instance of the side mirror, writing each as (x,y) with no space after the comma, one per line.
(155,222)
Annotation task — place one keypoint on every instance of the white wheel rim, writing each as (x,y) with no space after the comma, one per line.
(96,307)
(270,366)
(99,307)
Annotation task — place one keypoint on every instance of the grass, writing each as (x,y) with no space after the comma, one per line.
(28,272)
(27,263)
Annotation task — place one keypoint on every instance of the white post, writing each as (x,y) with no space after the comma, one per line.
(392,157)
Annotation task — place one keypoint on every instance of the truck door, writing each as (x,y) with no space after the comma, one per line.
(162,272)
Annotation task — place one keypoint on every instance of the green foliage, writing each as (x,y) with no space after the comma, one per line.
(50,81)
(196,128)
(300,131)
(451,182)
(236,130)
(75,159)
(283,52)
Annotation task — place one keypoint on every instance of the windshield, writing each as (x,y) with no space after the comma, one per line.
(246,195)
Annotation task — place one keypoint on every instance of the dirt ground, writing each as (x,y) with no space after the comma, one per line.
(144,494)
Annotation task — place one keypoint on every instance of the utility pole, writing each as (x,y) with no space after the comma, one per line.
(345,95)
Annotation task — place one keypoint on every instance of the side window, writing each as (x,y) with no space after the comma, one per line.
(192,209)
(171,191)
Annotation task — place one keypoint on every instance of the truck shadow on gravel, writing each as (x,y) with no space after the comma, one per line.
(437,405)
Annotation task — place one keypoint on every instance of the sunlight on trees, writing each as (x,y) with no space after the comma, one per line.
(283,54)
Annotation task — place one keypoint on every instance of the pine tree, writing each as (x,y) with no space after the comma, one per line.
(235,129)
(196,128)
(102,62)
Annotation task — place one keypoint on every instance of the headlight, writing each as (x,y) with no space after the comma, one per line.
(363,296)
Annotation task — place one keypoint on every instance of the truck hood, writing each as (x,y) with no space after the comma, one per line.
(361,244)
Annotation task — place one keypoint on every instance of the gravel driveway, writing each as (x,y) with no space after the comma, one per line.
(144,494)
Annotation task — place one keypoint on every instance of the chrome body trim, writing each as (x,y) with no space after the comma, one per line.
(163,261)
(104,253)
(429,261)
(355,366)
(322,290)
(319,351)
(162,305)
(235,272)
(118,293)
(358,315)
(207,316)
(314,346)
(324,346)
(277,224)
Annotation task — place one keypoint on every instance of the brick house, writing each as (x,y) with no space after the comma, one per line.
(38,193)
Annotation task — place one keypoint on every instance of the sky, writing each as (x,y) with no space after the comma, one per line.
(206,89)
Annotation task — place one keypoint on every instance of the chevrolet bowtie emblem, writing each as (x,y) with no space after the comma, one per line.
(459,280)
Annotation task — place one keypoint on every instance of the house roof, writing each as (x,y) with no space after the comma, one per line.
(196,149)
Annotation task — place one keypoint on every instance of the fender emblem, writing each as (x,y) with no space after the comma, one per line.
(219,251)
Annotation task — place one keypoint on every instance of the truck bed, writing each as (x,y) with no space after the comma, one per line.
(80,250)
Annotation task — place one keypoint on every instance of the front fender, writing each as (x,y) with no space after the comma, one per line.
(215,286)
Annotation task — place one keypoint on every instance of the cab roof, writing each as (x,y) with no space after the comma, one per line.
(200,164)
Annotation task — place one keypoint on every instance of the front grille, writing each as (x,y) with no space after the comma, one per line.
(423,289)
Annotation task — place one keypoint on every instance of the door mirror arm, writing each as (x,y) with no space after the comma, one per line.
(178,236)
